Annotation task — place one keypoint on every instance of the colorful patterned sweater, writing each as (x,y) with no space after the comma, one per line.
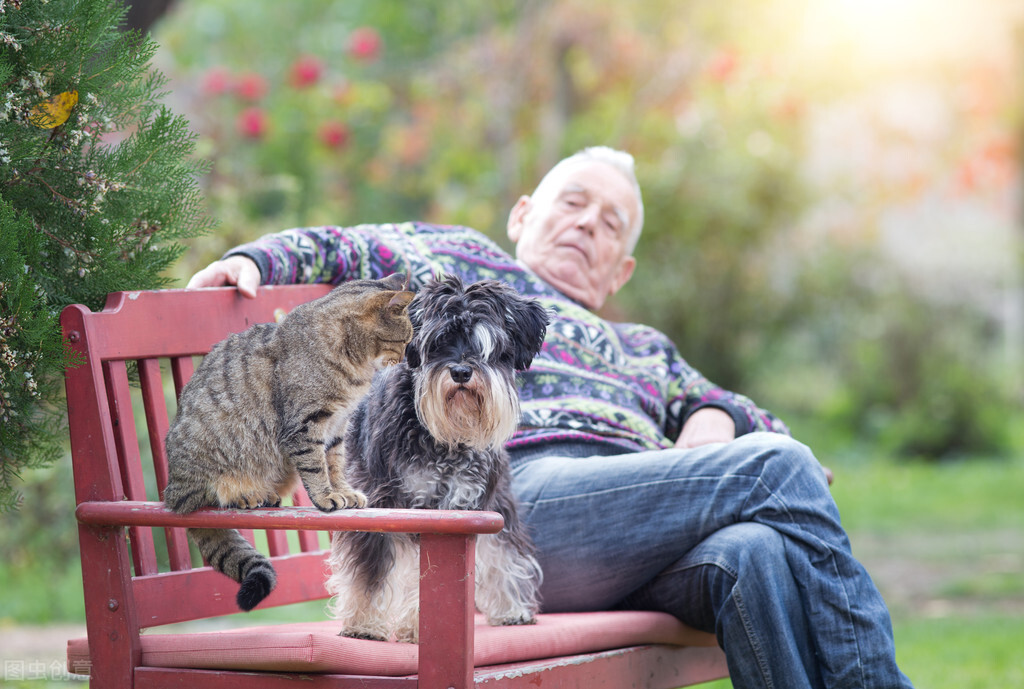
(612,383)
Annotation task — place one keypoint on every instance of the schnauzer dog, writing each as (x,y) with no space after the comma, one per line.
(430,434)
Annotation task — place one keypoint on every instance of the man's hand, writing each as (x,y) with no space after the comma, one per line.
(707,425)
(241,271)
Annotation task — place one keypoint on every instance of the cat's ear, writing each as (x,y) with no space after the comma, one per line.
(392,303)
(412,355)
(396,282)
(400,300)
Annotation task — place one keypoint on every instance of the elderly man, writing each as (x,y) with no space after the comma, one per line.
(644,484)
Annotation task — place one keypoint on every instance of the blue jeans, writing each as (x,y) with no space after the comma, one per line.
(740,539)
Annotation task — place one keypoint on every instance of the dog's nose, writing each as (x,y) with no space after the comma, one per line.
(460,373)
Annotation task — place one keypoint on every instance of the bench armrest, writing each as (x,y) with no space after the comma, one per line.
(138,513)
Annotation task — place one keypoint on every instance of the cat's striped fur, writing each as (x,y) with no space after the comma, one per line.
(268,407)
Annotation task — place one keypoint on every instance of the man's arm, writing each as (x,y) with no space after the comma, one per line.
(288,257)
(701,412)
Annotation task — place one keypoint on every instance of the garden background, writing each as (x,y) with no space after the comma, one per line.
(833,204)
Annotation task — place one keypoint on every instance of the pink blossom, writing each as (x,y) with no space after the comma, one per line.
(306,71)
(364,44)
(334,134)
(251,87)
(723,66)
(216,81)
(252,123)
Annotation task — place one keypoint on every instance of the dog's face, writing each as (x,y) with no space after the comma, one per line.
(469,341)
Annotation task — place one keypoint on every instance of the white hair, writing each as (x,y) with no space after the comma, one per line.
(620,160)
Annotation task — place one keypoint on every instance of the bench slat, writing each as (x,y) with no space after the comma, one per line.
(308,541)
(156,422)
(202,592)
(182,369)
(163,678)
(127,443)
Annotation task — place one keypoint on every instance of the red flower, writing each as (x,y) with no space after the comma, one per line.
(216,81)
(252,123)
(306,71)
(251,87)
(723,66)
(334,134)
(364,44)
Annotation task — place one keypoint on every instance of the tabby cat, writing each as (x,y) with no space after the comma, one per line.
(269,406)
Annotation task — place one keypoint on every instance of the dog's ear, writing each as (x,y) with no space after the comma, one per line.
(412,355)
(416,311)
(528,324)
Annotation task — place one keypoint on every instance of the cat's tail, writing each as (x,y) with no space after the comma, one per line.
(227,552)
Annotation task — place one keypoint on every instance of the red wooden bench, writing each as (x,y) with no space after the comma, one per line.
(139,574)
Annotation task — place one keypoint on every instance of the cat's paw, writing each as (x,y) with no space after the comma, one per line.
(251,503)
(340,499)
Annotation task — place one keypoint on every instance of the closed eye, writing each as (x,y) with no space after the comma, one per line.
(574,200)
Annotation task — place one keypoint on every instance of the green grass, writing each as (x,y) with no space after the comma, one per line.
(956,653)
(881,495)
(962,652)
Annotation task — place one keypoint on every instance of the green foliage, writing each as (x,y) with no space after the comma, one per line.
(348,119)
(97,186)
(926,383)
(31,356)
(713,216)
(918,379)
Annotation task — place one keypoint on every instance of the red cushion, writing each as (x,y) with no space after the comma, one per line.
(316,646)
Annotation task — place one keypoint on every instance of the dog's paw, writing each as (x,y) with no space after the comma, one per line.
(523,619)
(340,500)
(408,636)
(360,634)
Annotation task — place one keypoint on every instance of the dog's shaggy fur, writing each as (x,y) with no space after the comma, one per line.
(430,434)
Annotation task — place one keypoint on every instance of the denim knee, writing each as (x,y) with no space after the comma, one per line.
(779,460)
(739,551)
(698,586)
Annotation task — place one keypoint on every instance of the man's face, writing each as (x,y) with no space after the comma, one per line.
(573,232)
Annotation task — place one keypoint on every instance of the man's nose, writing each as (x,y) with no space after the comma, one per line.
(588,217)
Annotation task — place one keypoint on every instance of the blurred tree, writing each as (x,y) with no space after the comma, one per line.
(96,188)
(448,111)
(143,14)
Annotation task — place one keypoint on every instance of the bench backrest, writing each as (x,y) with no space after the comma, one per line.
(136,356)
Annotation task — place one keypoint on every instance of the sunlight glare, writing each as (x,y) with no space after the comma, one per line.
(887,32)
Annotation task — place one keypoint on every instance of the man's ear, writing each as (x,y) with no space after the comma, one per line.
(623,274)
(517,217)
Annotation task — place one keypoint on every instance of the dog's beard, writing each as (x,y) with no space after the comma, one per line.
(480,414)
